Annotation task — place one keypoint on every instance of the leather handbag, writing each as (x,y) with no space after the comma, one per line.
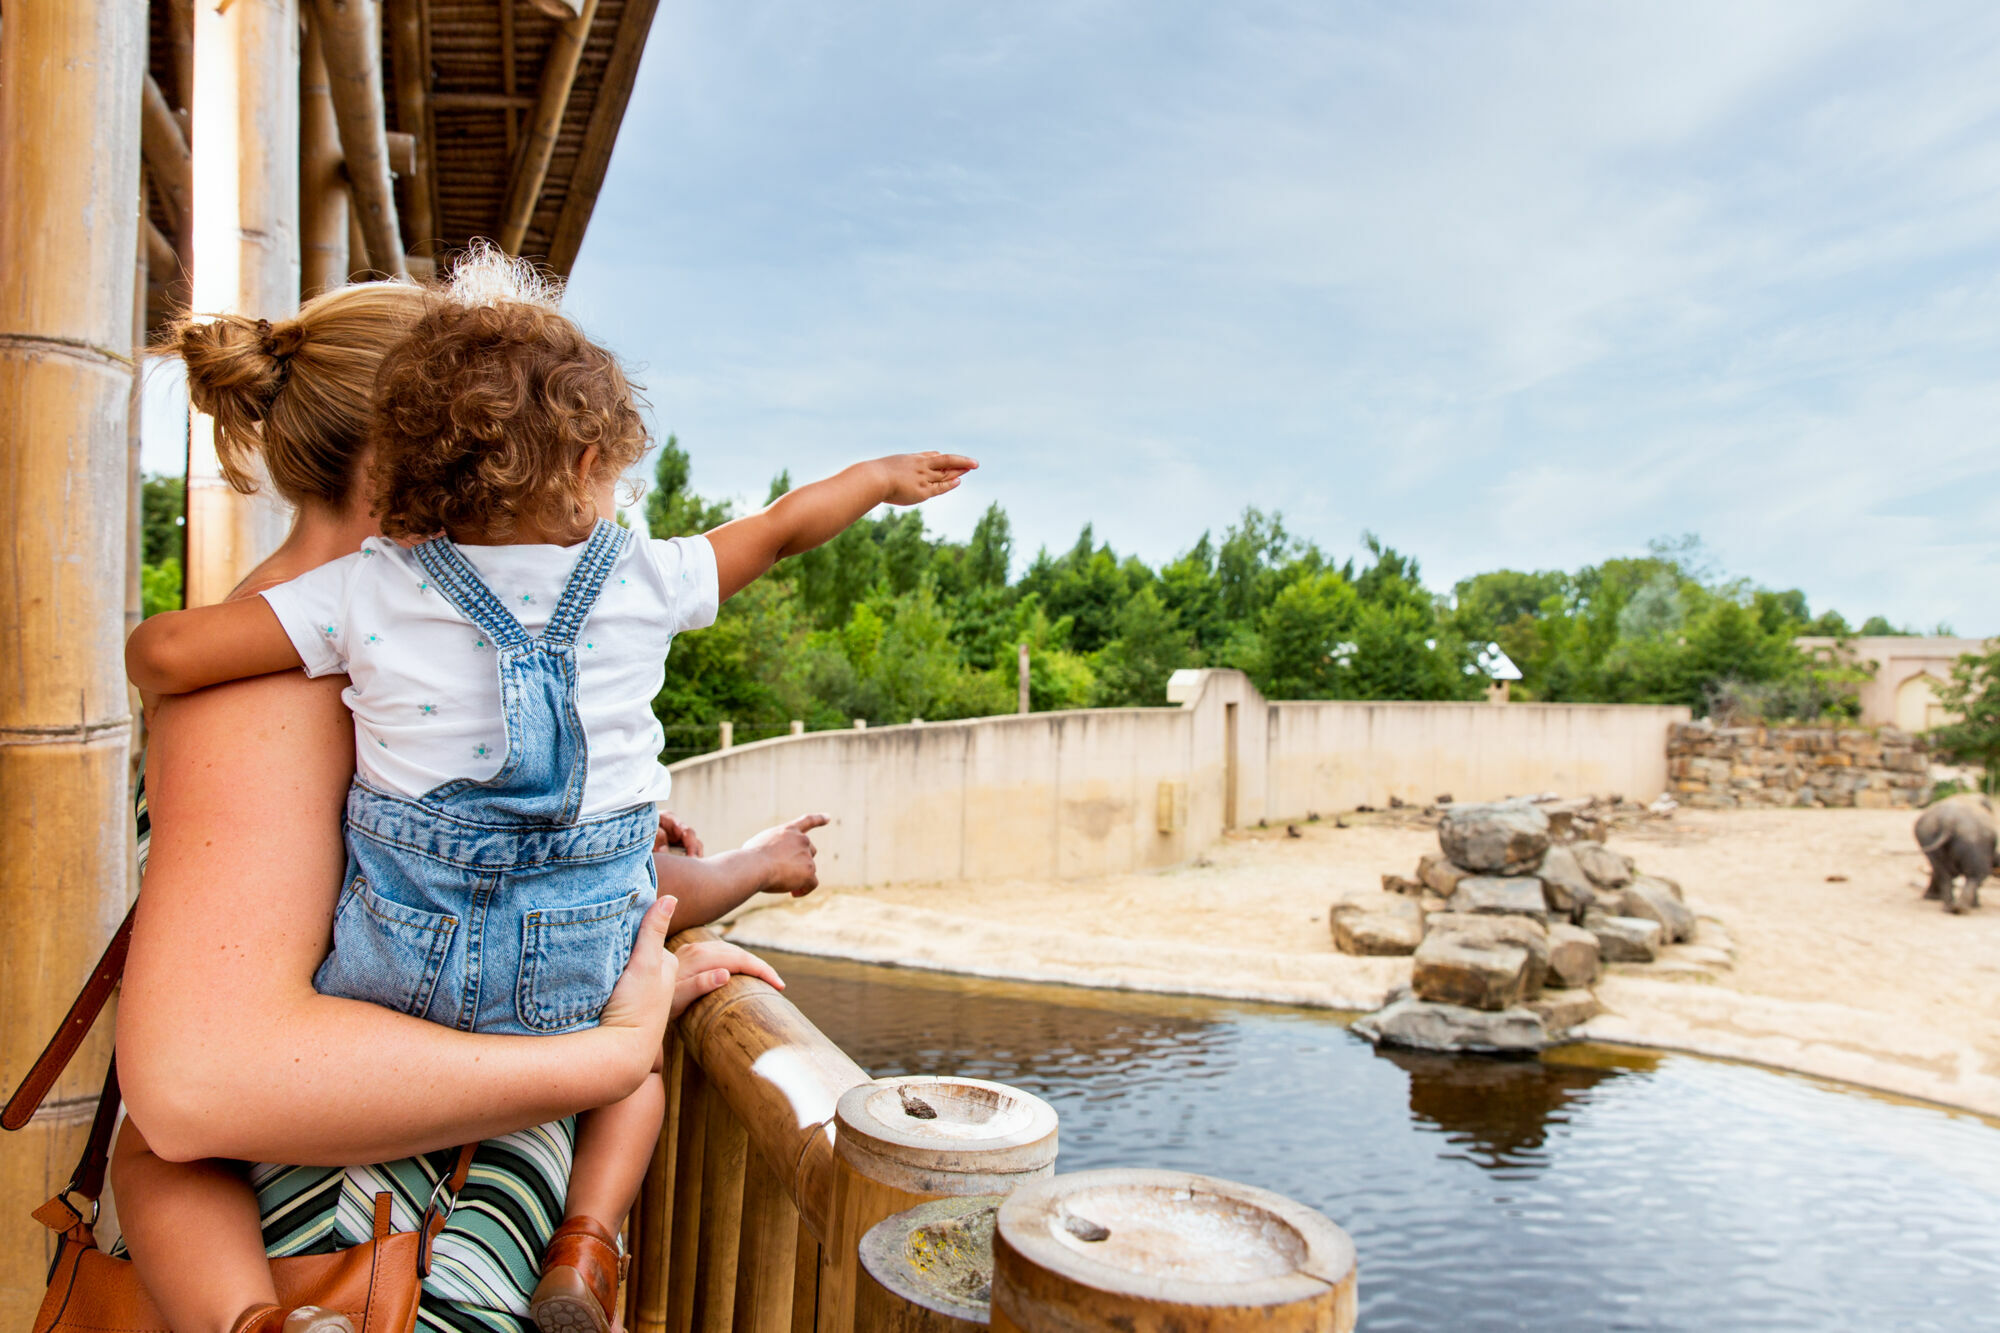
(374,1283)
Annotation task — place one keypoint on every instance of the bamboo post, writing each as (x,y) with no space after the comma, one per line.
(653,1219)
(322,182)
(1103,1251)
(1021,671)
(765,1260)
(409,53)
(929,1269)
(684,1244)
(904,1141)
(350,37)
(246,248)
(70,77)
(538,145)
(135,498)
(724,1150)
(806,1265)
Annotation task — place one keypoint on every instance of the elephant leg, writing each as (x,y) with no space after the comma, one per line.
(1941,872)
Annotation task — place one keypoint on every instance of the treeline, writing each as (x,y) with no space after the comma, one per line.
(890,622)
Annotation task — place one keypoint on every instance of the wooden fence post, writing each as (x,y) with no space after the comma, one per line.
(70,84)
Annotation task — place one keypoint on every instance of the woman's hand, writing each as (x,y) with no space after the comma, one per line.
(707,966)
(673,833)
(647,996)
(787,856)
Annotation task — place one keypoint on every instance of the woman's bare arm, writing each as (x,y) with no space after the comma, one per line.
(224,1048)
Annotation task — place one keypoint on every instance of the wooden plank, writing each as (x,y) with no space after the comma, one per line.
(531,167)
(614,92)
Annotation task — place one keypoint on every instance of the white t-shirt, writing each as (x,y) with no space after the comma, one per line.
(425,691)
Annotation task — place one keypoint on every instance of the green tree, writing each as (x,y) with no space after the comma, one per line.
(1150,645)
(673,510)
(1973,693)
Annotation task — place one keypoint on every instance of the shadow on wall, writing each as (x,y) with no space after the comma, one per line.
(1069,795)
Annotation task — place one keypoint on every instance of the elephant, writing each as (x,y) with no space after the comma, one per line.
(1957,835)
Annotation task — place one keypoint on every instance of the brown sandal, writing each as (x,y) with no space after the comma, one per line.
(299,1319)
(579,1285)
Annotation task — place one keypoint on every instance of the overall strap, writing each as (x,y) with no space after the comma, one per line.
(586,581)
(461,585)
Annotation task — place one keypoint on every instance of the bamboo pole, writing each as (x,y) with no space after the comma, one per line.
(350,37)
(1100,1251)
(684,1244)
(653,1219)
(507,84)
(322,184)
(765,1261)
(70,78)
(905,1141)
(409,45)
(607,113)
(531,167)
(926,1269)
(135,497)
(166,153)
(246,248)
(724,1150)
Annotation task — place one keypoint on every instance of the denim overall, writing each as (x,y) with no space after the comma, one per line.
(490,906)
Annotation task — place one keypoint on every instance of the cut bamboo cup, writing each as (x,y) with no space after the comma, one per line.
(899,1142)
(928,1269)
(1123,1251)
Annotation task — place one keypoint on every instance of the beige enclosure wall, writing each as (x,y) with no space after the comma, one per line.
(1075,794)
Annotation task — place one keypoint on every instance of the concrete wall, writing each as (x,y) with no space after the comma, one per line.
(1074,794)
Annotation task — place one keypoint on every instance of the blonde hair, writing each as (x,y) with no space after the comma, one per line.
(299,393)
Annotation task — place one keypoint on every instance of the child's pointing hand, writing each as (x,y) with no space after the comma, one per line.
(910,479)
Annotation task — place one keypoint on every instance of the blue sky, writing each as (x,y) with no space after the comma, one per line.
(1506,284)
(1509,285)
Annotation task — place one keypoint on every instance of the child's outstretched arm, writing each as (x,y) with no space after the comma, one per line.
(802,519)
(179,652)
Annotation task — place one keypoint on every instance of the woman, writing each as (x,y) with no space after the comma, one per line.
(248,782)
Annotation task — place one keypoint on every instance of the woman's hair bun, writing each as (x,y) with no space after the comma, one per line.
(235,366)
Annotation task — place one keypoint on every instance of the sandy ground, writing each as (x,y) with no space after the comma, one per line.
(1855,979)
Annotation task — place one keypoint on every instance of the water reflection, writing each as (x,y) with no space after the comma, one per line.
(1500,1111)
(1609,1191)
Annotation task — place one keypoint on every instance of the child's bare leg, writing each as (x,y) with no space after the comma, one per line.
(194,1233)
(578,1291)
(614,1146)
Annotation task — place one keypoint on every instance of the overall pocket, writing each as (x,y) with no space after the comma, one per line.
(384,952)
(570,959)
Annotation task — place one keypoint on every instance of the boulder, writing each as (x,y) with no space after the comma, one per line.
(1624,939)
(1485,932)
(1459,971)
(1508,837)
(1607,869)
(1560,1013)
(1654,900)
(1439,874)
(1565,887)
(1395,926)
(1397,884)
(1486,895)
(1573,956)
(1426,1026)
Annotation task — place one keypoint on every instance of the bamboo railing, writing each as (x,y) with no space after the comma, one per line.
(788,1186)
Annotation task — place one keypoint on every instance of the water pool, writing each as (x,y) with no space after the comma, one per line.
(1597,1189)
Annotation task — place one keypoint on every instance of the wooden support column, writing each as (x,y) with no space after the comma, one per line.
(350,37)
(322,185)
(607,113)
(246,248)
(531,167)
(409,49)
(70,78)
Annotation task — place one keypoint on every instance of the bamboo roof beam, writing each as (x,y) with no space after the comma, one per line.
(408,45)
(531,167)
(350,37)
(322,183)
(180,32)
(159,251)
(614,91)
(165,149)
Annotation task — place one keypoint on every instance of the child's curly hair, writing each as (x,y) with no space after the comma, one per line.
(482,415)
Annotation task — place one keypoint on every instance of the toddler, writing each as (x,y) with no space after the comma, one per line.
(503,651)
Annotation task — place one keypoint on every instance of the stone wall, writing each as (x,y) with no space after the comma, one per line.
(1869,767)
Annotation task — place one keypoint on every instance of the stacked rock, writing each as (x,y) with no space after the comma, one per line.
(1514,903)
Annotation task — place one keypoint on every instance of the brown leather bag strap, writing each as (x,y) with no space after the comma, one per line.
(55,1057)
(444,1198)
